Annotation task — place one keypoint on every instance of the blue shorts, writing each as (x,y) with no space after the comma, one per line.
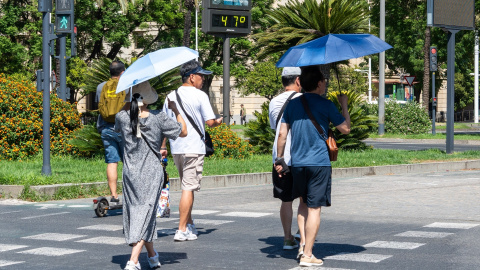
(313,184)
(113,144)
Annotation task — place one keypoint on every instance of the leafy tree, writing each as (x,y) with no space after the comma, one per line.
(263,80)
(350,80)
(406,30)
(76,78)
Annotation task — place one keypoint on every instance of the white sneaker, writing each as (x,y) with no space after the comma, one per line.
(184,236)
(192,228)
(131,266)
(154,261)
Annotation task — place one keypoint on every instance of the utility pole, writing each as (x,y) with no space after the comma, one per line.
(381,74)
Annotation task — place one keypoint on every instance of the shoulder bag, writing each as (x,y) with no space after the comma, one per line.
(330,141)
(283,108)
(208,141)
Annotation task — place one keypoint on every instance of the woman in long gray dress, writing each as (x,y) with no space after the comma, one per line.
(143,132)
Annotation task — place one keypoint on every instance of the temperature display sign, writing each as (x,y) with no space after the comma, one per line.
(231,21)
(227,21)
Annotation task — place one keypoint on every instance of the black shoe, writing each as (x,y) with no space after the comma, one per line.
(115,200)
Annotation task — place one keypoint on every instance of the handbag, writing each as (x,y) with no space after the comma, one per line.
(207,139)
(330,141)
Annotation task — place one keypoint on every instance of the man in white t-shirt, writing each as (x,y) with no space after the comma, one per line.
(282,187)
(188,152)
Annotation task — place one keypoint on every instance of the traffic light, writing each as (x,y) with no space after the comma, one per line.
(433,59)
(73,43)
(434,102)
(64,16)
(45,5)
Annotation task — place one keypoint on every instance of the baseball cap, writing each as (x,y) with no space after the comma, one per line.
(193,67)
(289,71)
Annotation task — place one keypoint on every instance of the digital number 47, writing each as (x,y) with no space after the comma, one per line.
(236,18)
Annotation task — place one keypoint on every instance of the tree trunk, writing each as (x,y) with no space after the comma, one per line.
(426,70)
(189,5)
(114,51)
(97,50)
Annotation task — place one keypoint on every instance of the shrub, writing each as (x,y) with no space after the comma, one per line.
(88,141)
(227,144)
(259,132)
(409,118)
(361,121)
(21,120)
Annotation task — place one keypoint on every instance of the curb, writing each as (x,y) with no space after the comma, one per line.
(423,141)
(252,179)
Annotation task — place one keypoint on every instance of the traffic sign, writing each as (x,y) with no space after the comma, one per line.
(410,79)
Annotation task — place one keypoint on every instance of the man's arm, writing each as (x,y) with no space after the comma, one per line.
(344,127)
(281,142)
(214,122)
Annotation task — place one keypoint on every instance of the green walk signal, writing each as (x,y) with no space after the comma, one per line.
(64,16)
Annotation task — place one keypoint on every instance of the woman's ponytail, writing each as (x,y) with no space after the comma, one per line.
(134,113)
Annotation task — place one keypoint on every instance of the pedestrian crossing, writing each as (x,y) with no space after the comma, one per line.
(407,240)
(368,257)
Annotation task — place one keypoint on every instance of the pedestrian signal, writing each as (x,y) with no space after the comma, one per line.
(64,16)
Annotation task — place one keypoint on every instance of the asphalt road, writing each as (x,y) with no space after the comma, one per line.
(410,221)
(408,145)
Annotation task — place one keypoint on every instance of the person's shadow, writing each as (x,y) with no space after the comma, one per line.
(165,258)
(321,250)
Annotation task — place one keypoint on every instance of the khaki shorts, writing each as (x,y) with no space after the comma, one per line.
(190,168)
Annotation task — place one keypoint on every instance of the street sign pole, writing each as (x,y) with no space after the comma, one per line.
(63,68)
(450,88)
(434,104)
(226,80)
(381,74)
(46,168)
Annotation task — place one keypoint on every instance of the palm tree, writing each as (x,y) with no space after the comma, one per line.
(298,22)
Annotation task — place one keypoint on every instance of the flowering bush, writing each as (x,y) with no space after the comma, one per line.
(409,118)
(227,144)
(21,110)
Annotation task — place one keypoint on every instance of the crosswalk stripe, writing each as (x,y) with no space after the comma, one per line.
(102,227)
(46,215)
(211,221)
(80,205)
(422,234)
(5,247)
(394,245)
(49,251)
(451,225)
(244,214)
(7,263)
(199,212)
(358,257)
(54,236)
(9,212)
(104,240)
(317,268)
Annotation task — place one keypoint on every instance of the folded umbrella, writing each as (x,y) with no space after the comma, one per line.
(332,48)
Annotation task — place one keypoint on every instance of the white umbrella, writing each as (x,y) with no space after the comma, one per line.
(154,64)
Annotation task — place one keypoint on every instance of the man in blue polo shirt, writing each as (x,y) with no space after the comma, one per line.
(310,163)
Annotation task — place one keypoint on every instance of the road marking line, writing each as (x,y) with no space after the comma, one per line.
(211,221)
(46,215)
(166,231)
(394,245)
(54,236)
(5,247)
(244,214)
(80,206)
(424,234)
(9,212)
(359,257)
(199,212)
(159,220)
(317,268)
(102,227)
(7,263)
(104,240)
(452,225)
(49,251)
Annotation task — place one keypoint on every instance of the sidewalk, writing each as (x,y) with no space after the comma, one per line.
(252,179)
